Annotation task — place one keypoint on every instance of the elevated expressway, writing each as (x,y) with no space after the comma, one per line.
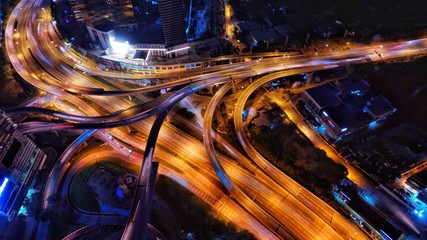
(302,233)
(40,64)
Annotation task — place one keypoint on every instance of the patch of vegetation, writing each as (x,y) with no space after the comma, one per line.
(192,215)
(296,156)
(82,195)
(12,91)
(185,113)
(230,135)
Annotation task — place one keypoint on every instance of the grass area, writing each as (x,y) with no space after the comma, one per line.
(296,156)
(190,214)
(82,195)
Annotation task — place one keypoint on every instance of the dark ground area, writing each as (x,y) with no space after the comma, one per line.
(391,19)
(405,84)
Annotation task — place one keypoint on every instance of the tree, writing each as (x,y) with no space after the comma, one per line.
(246,235)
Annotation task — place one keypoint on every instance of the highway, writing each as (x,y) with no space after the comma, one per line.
(141,207)
(60,167)
(281,206)
(171,167)
(250,204)
(43,54)
(313,203)
(293,196)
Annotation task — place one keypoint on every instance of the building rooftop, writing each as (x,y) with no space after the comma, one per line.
(248,26)
(345,103)
(345,118)
(355,103)
(379,105)
(325,95)
(151,33)
(283,30)
(264,36)
(352,85)
(105,26)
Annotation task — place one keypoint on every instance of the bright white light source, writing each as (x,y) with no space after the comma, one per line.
(119,47)
(3,185)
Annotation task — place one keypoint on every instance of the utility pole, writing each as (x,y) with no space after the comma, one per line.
(308,37)
(345,33)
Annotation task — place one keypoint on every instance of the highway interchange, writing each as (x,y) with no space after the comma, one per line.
(262,199)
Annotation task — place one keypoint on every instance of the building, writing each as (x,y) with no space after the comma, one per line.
(378,107)
(263,36)
(94,12)
(146,11)
(157,27)
(365,215)
(346,106)
(20,160)
(247,26)
(102,33)
(417,184)
(168,13)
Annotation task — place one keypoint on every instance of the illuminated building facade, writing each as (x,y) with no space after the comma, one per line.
(20,160)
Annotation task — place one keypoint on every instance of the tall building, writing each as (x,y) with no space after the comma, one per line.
(155,25)
(173,22)
(20,159)
(168,13)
